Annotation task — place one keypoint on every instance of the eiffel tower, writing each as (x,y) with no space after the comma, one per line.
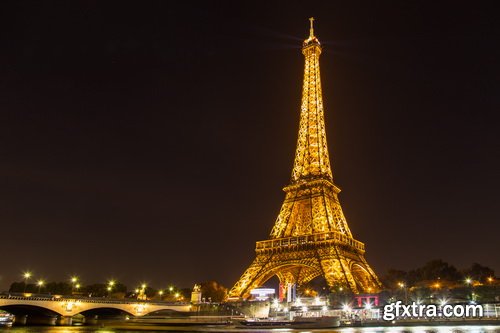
(310,237)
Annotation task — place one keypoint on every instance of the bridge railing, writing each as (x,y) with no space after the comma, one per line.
(333,237)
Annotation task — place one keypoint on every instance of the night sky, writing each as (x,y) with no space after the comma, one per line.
(150,141)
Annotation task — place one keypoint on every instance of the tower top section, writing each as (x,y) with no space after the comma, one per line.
(312,40)
(311,157)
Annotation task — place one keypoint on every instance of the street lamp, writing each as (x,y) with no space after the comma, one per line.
(40,284)
(74,280)
(26,276)
(111,284)
(142,292)
(468,281)
(402,285)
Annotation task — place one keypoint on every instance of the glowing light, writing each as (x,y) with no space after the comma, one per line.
(69,306)
(111,283)
(304,309)
(443,302)
(346,307)
(40,283)
(74,279)
(27,275)
(368,306)
(468,280)
(140,308)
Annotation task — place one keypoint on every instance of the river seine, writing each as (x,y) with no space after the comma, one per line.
(417,329)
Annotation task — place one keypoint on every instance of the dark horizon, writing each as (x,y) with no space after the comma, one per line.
(150,143)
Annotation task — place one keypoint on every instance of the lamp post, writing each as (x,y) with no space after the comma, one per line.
(40,284)
(142,292)
(26,276)
(402,285)
(468,282)
(74,280)
(111,284)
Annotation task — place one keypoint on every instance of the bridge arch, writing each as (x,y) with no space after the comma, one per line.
(293,271)
(28,309)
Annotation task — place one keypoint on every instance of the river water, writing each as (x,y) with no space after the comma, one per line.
(417,329)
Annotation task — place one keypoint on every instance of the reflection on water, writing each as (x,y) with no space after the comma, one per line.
(417,329)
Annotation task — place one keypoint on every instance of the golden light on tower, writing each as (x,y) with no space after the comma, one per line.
(310,237)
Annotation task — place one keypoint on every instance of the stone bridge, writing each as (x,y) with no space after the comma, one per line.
(70,306)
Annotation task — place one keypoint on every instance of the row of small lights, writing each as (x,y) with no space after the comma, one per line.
(74,283)
(368,305)
(468,281)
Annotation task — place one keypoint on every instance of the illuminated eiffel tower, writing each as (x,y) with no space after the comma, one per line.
(310,237)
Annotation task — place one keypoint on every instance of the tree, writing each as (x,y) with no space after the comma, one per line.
(58,288)
(95,290)
(478,272)
(436,269)
(394,277)
(214,291)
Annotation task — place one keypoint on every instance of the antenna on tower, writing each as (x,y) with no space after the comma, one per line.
(311,30)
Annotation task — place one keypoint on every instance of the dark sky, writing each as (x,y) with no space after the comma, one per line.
(149,141)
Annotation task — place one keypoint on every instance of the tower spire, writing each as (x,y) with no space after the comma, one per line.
(311,30)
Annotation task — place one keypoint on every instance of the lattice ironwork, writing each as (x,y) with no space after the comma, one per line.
(310,237)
